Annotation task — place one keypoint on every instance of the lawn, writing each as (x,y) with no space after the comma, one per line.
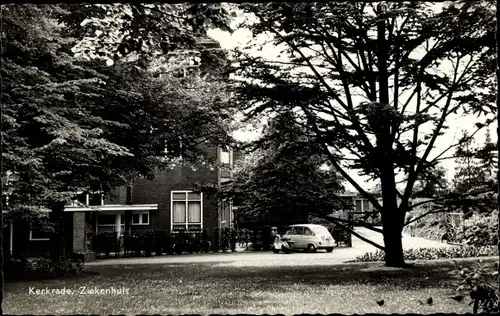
(207,288)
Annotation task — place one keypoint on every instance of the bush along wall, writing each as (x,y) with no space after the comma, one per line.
(105,244)
(22,268)
(481,229)
(160,242)
(149,242)
(435,253)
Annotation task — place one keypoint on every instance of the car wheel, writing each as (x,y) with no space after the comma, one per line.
(329,249)
(311,248)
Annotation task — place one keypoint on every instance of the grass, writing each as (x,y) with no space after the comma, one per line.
(209,289)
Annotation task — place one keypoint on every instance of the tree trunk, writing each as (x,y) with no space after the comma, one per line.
(58,246)
(391,216)
(393,241)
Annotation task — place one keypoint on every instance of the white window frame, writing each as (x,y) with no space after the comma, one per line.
(186,224)
(87,199)
(109,225)
(140,213)
(229,156)
(37,239)
(363,201)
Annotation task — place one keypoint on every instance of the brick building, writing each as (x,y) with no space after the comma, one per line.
(168,202)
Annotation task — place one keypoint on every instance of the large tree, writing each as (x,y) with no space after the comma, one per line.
(286,178)
(377,84)
(75,125)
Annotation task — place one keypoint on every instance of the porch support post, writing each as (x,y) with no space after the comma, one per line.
(11,239)
(78,232)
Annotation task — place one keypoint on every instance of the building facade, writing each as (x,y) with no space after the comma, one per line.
(169,202)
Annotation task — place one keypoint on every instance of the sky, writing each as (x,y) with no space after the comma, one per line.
(242,37)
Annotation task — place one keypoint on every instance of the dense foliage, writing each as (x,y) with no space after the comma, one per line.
(74,124)
(144,31)
(480,283)
(285,179)
(147,242)
(481,229)
(477,164)
(372,86)
(20,268)
(435,253)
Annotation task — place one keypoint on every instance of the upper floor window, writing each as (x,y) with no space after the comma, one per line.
(92,199)
(226,157)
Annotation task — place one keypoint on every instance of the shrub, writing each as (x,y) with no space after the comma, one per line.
(481,229)
(434,253)
(481,284)
(105,243)
(168,243)
(148,241)
(225,239)
(21,268)
(193,242)
(143,241)
(181,243)
(205,243)
(256,240)
(217,239)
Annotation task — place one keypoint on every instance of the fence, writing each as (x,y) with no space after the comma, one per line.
(160,242)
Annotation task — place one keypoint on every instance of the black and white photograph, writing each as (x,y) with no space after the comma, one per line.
(332,157)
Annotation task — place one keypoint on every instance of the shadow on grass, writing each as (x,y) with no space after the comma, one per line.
(421,274)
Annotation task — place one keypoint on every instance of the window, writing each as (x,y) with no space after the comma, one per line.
(39,235)
(366,205)
(82,198)
(109,223)
(186,210)
(298,230)
(307,231)
(140,218)
(224,157)
(359,206)
(95,199)
(363,205)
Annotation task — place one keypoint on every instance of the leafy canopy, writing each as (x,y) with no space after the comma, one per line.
(73,125)
(376,82)
(288,179)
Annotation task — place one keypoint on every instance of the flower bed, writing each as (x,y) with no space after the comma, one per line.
(21,268)
(435,253)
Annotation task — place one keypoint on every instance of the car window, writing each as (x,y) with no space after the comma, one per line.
(289,232)
(321,230)
(307,231)
(298,230)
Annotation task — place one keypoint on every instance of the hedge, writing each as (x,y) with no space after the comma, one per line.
(435,253)
(22,268)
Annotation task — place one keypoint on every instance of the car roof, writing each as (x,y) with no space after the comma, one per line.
(306,225)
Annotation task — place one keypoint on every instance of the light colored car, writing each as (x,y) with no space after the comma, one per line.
(310,237)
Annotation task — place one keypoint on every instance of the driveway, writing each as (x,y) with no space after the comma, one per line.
(339,255)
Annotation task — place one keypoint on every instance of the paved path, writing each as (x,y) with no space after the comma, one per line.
(339,255)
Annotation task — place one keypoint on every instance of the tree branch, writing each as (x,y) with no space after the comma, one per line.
(361,237)
(439,210)
(413,177)
(357,223)
(333,94)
